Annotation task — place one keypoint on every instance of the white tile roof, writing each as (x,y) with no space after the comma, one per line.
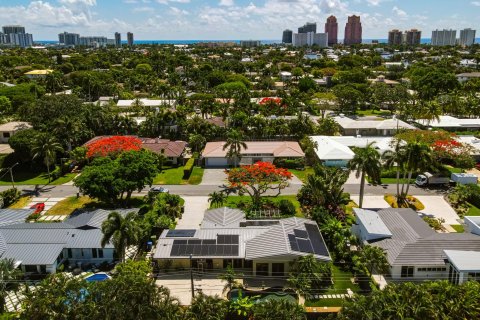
(387,124)
(372,223)
(464,261)
(146,103)
(328,149)
(451,122)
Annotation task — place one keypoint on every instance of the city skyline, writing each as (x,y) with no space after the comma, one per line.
(231,19)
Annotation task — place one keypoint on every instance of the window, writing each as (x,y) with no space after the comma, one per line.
(94,253)
(43,268)
(69,253)
(407,272)
(6,134)
(262,269)
(100,253)
(248,264)
(30,268)
(278,269)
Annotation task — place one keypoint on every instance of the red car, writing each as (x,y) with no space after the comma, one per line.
(39,207)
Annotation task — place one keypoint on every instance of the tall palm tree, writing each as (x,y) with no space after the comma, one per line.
(8,274)
(419,157)
(47,147)
(234,144)
(366,162)
(121,231)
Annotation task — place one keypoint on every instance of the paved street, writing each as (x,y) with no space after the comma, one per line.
(205,190)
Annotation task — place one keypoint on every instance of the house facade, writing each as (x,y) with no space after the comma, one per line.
(41,247)
(9,129)
(415,251)
(226,237)
(265,151)
(387,127)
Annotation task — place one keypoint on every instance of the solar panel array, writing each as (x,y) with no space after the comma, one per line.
(224,245)
(185,233)
(309,240)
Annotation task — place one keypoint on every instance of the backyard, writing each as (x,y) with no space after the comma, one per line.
(240,201)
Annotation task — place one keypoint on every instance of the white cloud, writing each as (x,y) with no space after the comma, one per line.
(143,9)
(399,12)
(475,3)
(226,3)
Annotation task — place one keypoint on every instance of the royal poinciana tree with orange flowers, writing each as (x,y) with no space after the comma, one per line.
(112,146)
(258,178)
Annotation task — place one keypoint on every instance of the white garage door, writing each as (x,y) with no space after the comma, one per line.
(216,162)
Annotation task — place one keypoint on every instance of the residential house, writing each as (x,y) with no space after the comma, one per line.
(414,250)
(226,237)
(10,128)
(386,127)
(38,74)
(147,103)
(464,77)
(41,247)
(266,151)
(336,151)
(450,123)
(174,151)
(285,76)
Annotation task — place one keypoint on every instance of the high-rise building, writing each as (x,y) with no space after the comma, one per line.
(13,29)
(310,39)
(467,37)
(15,35)
(287,36)
(444,37)
(331,27)
(353,31)
(308,27)
(395,37)
(413,37)
(118,39)
(130,39)
(96,42)
(250,43)
(69,39)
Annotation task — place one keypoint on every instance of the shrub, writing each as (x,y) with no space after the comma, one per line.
(57,173)
(188,168)
(10,196)
(290,163)
(286,207)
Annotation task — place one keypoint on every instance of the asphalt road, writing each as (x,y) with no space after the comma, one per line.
(205,190)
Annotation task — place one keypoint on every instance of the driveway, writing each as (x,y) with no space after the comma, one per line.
(352,179)
(436,206)
(371,202)
(194,211)
(214,177)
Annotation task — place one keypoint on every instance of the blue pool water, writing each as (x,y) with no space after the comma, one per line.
(97,277)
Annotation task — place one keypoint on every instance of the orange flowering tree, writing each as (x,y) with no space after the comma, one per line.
(258,178)
(113,146)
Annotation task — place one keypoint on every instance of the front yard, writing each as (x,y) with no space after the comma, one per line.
(241,201)
(302,174)
(26,177)
(174,176)
(70,204)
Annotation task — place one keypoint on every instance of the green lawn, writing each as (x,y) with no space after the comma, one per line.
(458,228)
(233,201)
(394,180)
(25,177)
(473,211)
(175,176)
(21,203)
(454,170)
(70,204)
(302,174)
(379,113)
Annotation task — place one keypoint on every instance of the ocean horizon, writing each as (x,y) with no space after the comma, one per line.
(265,42)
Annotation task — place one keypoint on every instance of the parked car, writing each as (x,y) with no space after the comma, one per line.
(39,207)
(159,190)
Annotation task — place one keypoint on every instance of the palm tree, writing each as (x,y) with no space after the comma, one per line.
(46,147)
(217,199)
(121,231)
(234,144)
(205,307)
(273,309)
(366,162)
(230,277)
(8,274)
(373,259)
(308,274)
(419,157)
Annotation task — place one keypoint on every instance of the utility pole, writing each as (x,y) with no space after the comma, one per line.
(191,278)
(11,174)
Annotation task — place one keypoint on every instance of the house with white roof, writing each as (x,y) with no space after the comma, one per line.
(386,127)
(450,123)
(147,103)
(415,251)
(226,237)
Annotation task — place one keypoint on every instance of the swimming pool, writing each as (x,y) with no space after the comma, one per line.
(97,277)
(263,295)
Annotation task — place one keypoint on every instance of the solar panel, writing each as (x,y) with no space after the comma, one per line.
(293,242)
(221,239)
(209,241)
(304,245)
(194,241)
(174,251)
(197,249)
(180,241)
(186,233)
(220,250)
(316,239)
(300,233)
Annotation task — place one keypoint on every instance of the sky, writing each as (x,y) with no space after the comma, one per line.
(231,19)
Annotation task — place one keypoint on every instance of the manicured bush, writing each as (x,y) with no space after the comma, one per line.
(188,168)
(286,207)
(290,163)
(10,196)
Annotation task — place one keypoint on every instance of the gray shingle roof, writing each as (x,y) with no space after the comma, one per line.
(33,254)
(225,217)
(10,216)
(413,242)
(94,219)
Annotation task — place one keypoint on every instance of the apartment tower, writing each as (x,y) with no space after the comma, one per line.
(331,28)
(353,31)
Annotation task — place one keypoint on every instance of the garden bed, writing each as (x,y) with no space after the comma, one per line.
(413,202)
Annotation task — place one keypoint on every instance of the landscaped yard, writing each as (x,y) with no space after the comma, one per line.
(379,113)
(70,204)
(234,201)
(21,203)
(175,176)
(414,203)
(302,174)
(458,228)
(473,211)
(32,178)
